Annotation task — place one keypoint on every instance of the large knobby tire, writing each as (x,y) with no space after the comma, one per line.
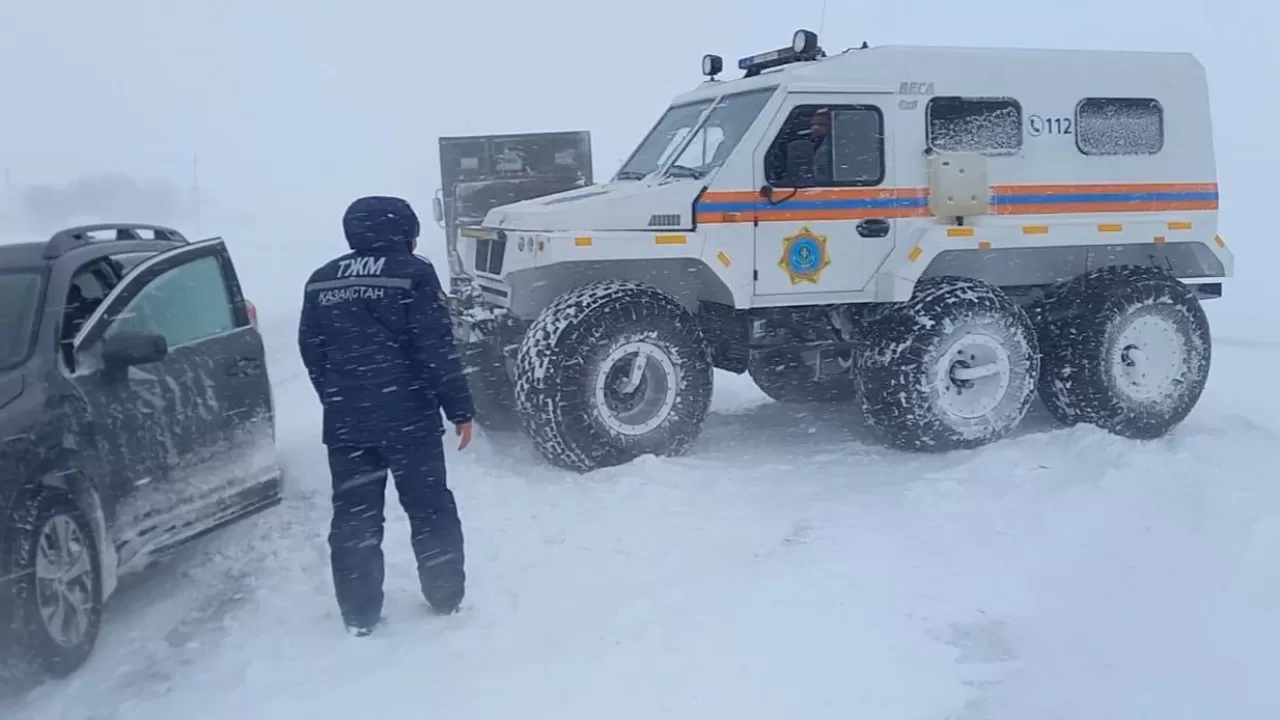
(1127,349)
(57,587)
(954,367)
(576,391)
(785,376)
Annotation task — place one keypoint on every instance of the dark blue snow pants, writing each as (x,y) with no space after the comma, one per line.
(355,536)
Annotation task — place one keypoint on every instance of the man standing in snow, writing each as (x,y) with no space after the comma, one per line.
(377,340)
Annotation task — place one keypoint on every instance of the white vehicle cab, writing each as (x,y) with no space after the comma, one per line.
(936,232)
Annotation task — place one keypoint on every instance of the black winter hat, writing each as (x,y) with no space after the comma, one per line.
(380,223)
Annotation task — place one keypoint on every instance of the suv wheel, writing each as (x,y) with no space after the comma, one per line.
(59,585)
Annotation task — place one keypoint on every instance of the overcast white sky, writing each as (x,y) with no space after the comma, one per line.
(309,102)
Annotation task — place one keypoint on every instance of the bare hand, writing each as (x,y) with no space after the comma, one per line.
(464,435)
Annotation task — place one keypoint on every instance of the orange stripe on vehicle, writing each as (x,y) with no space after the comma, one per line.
(787,204)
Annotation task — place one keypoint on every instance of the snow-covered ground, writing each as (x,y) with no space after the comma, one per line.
(786,568)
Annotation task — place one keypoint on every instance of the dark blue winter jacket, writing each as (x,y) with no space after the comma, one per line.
(376,336)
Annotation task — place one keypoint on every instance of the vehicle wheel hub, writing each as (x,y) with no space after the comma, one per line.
(973,376)
(64,580)
(635,390)
(1148,358)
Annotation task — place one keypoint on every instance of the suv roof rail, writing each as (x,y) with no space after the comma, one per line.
(66,240)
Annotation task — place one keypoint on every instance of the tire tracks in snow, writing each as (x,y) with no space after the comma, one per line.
(787,563)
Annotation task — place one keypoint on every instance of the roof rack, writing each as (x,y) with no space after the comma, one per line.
(71,238)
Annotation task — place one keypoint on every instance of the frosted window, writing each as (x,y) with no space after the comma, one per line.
(1119,126)
(981,125)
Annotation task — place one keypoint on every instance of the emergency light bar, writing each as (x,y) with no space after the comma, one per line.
(804,46)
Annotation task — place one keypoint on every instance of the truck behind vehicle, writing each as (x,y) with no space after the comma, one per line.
(481,172)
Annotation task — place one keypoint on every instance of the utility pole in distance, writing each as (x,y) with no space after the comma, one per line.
(195,190)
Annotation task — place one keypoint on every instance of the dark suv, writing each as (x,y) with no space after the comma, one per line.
(135,414)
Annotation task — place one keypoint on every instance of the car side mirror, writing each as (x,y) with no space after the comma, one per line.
(437,209)
(126,349)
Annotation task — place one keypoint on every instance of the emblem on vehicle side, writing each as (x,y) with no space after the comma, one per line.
(804,256)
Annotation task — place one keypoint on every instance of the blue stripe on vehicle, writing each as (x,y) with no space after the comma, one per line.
(995,198)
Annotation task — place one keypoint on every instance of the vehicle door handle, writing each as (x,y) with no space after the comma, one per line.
(245,366)
(873,228)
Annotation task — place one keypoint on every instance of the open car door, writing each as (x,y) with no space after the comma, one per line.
(175,375)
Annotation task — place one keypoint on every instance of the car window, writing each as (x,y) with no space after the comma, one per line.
(127,261)
(19,298)
(89,287)
(828,146)
(185,304)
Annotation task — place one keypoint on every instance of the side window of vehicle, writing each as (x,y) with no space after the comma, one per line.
(991,126)
(127,261)
(188,303)
(90,284)
(1119,126)
(828,146)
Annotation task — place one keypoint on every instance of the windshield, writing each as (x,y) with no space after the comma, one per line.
(19,297)
(730,118)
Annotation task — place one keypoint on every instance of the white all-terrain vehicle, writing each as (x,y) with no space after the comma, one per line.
(936,232)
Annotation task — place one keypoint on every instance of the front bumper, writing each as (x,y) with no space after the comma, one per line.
(486,334)
(472,316)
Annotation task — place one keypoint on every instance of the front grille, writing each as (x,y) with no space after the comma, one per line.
(489,253)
